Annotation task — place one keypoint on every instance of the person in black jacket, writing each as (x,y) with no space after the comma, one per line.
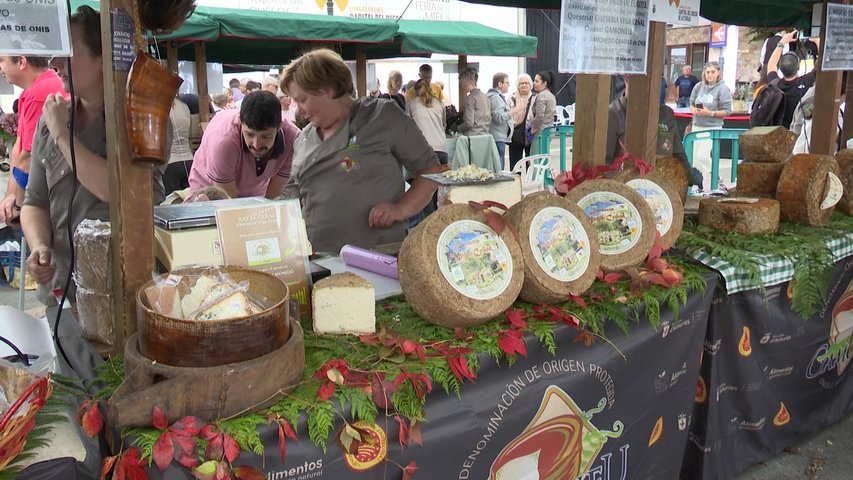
(785,67)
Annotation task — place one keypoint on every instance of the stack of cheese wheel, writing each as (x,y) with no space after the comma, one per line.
(455,271)
(845,167)
(741,214)
(758,179)
(663,199)
(672,171)
(765,149)
(561,252)
(809,189)
(623,221)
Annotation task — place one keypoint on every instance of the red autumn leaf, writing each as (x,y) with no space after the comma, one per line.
(578,300)
(130,466)
(188,425)
(246,472)
(388,307)
(421,384)
(612,277)
(223,472)
(325,392)
(460,333)
(415,432)
(492,203)
(512,343)
(107,465)
(656,279)
(600,274)
(404,442)
(209,432)
(657,265)
(163,451)
(410,470)
(516,318)
(215,449)
(496,222)
(655,252)
(673,276)
(92,421)
(158,419)
(585,337)
(232,450)
(382,391)
(369,339)
(284,432)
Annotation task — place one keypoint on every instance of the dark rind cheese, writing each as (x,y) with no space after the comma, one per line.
(670,170)
(767,144)
(561,251)
(845,168)
(760,178)
(664,200)
(623,221)
(722,215)
(803,188)
(455,271)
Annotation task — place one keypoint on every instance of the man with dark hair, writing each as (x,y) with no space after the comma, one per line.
(246,152)
(425,73)
(477,110)
(237,89)
(792,85)
(38,81)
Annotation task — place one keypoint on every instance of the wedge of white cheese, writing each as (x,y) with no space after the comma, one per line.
(344,303)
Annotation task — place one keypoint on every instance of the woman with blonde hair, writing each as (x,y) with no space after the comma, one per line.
(710,103)
(395,83)
(518,104)
(428,113)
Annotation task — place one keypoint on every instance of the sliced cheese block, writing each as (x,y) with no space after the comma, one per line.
(622,219)
(759,178)
(198,294)
(767,144)
(845,168)
(233,305)
(165,300)
(344,303)
(455,271)
(809,188)
(671,170)
(561,252)
(664,200)
(505,193)
(741,214)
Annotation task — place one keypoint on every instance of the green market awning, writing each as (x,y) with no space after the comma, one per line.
(462,38)
(195,28)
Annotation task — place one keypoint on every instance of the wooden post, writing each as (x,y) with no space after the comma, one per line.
(131,218)
(361,72)
(847,132)
(463,64)
(826,103)
(172,56)
(201,82)
(590,139)
(641,130)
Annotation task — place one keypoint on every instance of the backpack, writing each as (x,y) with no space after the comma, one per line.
(768,109)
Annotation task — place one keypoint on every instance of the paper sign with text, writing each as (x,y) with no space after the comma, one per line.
(839,38)
(676,12)
(34,27)
(270,238)
(604,36)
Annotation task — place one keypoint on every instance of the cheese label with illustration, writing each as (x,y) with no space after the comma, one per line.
(371,452)
(834,191)
(657,198)
(559,243)
(617,221)
(474,259)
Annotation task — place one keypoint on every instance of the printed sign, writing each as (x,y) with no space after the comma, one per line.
(124,52)
(839,37)
(718,35)
(677,12)
(34,28)
(604,36)
(269,238)
(446,10)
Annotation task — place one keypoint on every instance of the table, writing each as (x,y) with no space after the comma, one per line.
(765,382)
(622,418)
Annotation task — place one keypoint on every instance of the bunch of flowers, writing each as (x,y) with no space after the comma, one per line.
(8,126)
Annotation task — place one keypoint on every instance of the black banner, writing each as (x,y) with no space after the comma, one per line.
(769,379)
(585,413)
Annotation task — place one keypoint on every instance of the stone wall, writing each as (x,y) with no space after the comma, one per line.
(687,35)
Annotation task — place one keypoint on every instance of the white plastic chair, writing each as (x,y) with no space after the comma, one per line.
(532,170)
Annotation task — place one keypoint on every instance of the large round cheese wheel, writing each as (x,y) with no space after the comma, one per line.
(759,178)
(766,144)
(741,214)
(455,271)
(561,252)
(664,200)
(809,188)
(845,168)
(672,171)
(623,221)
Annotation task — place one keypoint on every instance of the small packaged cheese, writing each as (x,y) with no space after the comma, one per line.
(344,303)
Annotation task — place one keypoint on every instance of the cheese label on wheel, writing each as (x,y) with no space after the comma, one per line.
(658,200)
(617,221)
(559,244)
(474,259)
(834,191)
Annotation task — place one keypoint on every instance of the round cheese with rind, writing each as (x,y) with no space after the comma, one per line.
(663,199)
(623,221)
(741,214)
(759,178)
(845,168)
(670,170)
(456,271)
(560,248)
(806,190)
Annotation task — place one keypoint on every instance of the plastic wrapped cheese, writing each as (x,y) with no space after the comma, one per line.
(92,252)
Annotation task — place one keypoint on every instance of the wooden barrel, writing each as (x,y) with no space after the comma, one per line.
(207,343)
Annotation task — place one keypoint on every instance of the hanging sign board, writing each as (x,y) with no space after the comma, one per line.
(604,36)
(718,35)
(34,28)
(838,51)
(676,12)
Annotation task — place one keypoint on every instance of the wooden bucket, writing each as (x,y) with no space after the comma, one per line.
(151,89)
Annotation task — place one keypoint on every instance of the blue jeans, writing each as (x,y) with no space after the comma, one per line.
(501,150)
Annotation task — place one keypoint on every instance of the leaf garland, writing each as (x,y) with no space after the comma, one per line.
(805,246)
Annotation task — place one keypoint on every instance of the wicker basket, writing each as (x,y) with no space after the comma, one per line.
(14,429)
